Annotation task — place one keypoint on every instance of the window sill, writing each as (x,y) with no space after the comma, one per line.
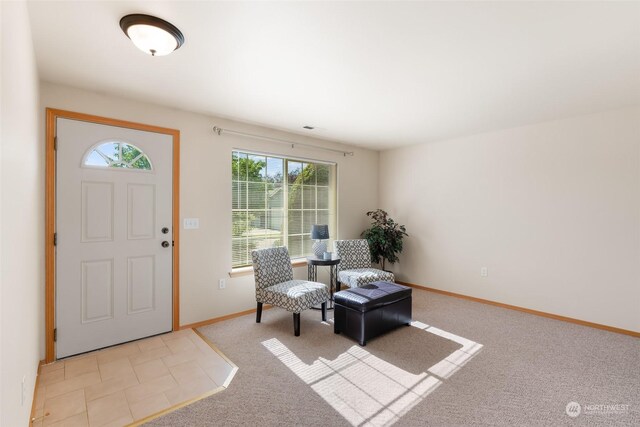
(247,271)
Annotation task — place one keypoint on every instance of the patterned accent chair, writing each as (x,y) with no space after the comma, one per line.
(355,268)
(275,285)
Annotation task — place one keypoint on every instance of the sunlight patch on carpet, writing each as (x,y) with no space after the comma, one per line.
(367,390)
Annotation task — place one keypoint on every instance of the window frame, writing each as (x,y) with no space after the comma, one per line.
(332,208)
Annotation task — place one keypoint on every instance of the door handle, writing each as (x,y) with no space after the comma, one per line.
(165,244)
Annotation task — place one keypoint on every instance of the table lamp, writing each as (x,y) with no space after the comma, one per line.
(319,233)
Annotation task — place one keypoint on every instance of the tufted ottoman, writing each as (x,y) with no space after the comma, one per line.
(368,311)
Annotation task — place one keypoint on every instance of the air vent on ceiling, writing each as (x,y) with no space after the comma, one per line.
(308,127)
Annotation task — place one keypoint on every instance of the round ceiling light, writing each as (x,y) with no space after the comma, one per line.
(152,35)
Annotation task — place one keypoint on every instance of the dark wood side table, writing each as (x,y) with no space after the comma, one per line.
(312,273)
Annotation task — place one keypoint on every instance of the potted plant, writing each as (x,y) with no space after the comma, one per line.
(384,237)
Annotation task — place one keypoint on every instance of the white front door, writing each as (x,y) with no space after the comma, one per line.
(114,244)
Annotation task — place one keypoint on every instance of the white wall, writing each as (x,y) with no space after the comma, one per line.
(205,167)
(552,210)
(22,218)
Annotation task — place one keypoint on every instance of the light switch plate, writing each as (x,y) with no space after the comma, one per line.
(191,223)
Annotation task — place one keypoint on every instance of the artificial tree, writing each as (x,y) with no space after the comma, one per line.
(384,237)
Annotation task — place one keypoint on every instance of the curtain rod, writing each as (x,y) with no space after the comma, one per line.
(219,130)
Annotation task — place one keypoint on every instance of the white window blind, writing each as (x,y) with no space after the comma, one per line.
(275,202)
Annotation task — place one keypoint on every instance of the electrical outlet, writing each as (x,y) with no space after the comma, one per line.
(222,283)
(484,272)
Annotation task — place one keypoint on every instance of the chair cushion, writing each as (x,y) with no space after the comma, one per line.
(361,276)
(353,254)
(271,266)
(295,295)
(372,296)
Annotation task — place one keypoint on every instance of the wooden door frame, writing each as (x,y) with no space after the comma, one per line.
(52,115)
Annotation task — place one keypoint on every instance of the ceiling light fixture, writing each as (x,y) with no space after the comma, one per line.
(152,35)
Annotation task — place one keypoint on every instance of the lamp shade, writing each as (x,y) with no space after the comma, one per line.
(320,232)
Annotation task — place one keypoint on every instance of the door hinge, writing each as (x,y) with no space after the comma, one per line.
(55,143)
(55,334)
(55,239)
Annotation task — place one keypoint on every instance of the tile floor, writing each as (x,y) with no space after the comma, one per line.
(128,383)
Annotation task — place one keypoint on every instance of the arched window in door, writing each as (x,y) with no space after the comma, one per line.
(116,154)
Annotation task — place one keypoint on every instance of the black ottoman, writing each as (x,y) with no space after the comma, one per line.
(366,312)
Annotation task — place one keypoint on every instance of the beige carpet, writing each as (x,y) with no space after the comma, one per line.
(462,363)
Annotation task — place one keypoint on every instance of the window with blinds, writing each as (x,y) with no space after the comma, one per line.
(276,201)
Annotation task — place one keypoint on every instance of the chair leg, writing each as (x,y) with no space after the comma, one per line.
(324,311)
(337,286)
(296,324)
(259,313)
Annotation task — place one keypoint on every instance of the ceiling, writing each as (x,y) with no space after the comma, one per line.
(373,74)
